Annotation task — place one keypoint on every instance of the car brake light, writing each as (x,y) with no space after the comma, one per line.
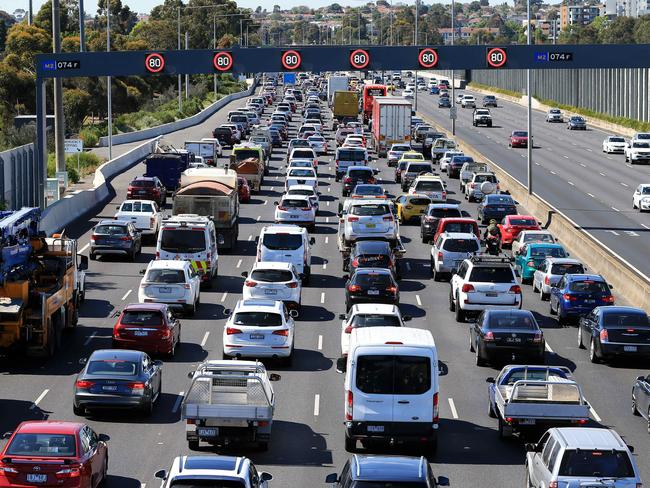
(337,163)
(354,288)
(440,256)
(471,185)
(436,410)
(530,264)
(392,289)
(347,180)
(166,333)
(538,337)
(348,329)
(547,280)
(68,473)
(93,237)
(489,336)
(232,331)
(292,284)
(608,299)
(349,406)
(388,218)
(353,219)
(516,289)
(84,384)
(568,296)
(604,336)
(281,332)
(467,288)
(354,263)
(552,484)
(126,238)
(135,385)
(250,283)
(429,218)
(8,470)
(186,286)
(280,207)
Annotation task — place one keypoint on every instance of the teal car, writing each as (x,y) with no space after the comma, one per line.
(534,255)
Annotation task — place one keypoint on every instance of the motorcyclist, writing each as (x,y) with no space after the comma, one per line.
(492,237)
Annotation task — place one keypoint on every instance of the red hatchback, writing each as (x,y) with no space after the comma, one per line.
(148,327)
(512,225)
(54,453)
(243,190)
(457,224)
(518,138)
(147,188)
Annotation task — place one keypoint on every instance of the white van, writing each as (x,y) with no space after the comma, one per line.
(391,387)
(286,244)
(190,237)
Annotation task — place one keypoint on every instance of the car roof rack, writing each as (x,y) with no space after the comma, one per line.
(486,258)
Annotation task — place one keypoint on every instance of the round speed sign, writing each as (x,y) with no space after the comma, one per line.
(222,61)
(291,59)
(427,58)
(154,63)
(496,57)
(359,58)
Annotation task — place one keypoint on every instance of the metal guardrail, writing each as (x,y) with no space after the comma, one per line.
(18,178)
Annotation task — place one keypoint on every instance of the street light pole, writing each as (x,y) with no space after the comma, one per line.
(180,80)
(415,43)
(453,84)
(529,110)
(59,122)
(82,26)
(187,76)
(214,47)
(109,84)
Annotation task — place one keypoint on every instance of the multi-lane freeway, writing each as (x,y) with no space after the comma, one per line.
(308,437)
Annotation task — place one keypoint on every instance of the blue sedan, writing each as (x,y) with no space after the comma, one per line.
(578,294)
(496,207)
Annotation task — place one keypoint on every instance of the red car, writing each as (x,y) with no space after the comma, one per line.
(54,453)
(147,188)
(457,224)
(518,138)
(513,224)
(243,190)
(148,327)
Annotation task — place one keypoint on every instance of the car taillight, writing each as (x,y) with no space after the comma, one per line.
(250,283)
(372,181)
(568,296)
(530,264)
(348,329)
(68,473)
(347,180)
(84,384)
(440,256)
(471,185)
(604,336)
(281,332)
(547,280)
(552,484)
(444,194)
(292,284)
(166,333)
(515,289)
(429,218)
(608,299)
(538,337)
(8,470)
(186,286)
(125,238)
(353,219)
(354,288)
(388,218)
(93,237)
(354,263)
(337,163)
(436,409)
(467,288)
(349,405)
(157,255)
(135,385)
(392,289)
(305,209)
(232,331)
(280,207)
(489,336)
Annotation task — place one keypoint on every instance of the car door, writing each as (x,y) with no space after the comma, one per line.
(88,456)
(536,469)
(97,453)
(589,326)
(538,275)
(556,291)
(643,396)
(173,324)
(414,382)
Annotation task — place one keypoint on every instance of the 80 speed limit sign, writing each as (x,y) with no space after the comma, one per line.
(496,57)
(154,63)
(291,59)
(359,59)
(427,58)
(222,61)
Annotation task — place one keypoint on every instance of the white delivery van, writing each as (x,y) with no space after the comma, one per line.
(286,244)
(391,387)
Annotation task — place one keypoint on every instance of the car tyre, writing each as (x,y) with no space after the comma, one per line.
(593,355)
(551,310)
(491,412)
(78,411)
(479,360)
(92,256)
(635,411)
(460,314)
(471,344)
(350,445)
(147,409)
(452,305)
(543,296)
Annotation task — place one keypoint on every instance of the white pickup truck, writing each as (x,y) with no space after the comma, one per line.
(144,214)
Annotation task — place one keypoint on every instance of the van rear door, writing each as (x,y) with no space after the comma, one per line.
(415,385)
(372,390)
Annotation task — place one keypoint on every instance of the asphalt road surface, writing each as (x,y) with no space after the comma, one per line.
(308,440)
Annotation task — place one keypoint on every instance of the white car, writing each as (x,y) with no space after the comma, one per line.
(143,214)
(614,144)
(367,219)
(641,197)
(408,93)
(459,97)
(274,280)
(301,163)
(369,315)
(527,236)
(305,190)
(551,271)
(173,282)
(396,151)
(473,191)
(297,210)
(468,101)
(554,115)
(218,148)
(637,151)
(430,185)
(446,159)
(450,250)
(318,144)
(354,140)
(301,176)
(259,329)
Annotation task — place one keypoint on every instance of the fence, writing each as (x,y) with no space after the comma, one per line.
(19,178)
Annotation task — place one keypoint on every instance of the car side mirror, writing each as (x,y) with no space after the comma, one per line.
(332,478)
(103,438)
(530,447)
(142,271)
(312,241)
(293,313)
(162,474)
(227,312)
(443,481)
(640,378)
(276,203)
(611,287)
(407,318)
(343,316)
(83,263)
(244,274)
(117,207)
(264,476)
(489,379)
(375,171)
(7,434)
(275,377)
(83,361)
(341,365)
(443,370)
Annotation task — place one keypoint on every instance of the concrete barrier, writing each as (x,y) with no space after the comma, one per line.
(630,284)
(62,213)
(159,130)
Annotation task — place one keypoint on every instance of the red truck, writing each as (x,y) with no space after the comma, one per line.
(369,93)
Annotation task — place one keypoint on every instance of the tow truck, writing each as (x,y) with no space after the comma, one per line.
(42,285)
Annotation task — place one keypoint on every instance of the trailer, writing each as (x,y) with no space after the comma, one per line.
(391,123)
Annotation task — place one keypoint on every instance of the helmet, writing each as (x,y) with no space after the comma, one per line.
(492,221)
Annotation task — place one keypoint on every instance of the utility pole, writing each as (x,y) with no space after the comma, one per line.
(30,13)
(82,26)
(241,32)
(359,26)
(529,121)
(180,80)
(415,43)
(59,122)
(109,84)
(187,76)
(214,46)
(453,84)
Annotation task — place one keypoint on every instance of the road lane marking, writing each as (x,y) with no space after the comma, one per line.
(571,183)
(328,189)
(258,218)
(250,237)
(615,209)
(645,226)
(624,184)
(39,399)
(178,401)
(609,157)
(326,239)
(589,150)
(239,263)
(84,248)
(417,299)
(126,295)
(322,297)
(90,338)
(603,174)
(265,202)
(452,406)
(223,297)
(327,220)
(205,339)
(553,173)
(592,196)
(594,414)
(320,342)
(316,404)
(548,348)
(537,164)
(583,165)
(567,157)
(324,265)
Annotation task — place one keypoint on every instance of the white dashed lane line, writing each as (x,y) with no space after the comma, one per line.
(239,263)
(624,184)
(316,404)
(571,183)
(39,399)
(205,339)
(452,407)
(224,296)
(322,297)
(84,248)
(90,338)
(320,342)
(591,195)
(417,299)
(126,295)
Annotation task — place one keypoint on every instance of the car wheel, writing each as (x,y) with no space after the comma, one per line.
(452,306)
(79,411)
(147,409)
(580,344)
(543,296)
(535,289)
(593,355)
(551,311)
(92,256)
(491,412)
(460,314)
(471,343)
(479,360)
(350,444)
(635,412)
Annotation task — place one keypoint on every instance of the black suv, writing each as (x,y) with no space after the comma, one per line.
(371,285)
(224,135)
(371,254)
(432,216)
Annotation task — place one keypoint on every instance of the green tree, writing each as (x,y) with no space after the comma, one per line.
(642,30)
(475,6)
(26,41)
(76,103)
(157,34)
(621,30)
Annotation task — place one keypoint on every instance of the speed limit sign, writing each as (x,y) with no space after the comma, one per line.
(427,58)
(496,57)
(291,59)
(154,63)
(359,58)
(222,61)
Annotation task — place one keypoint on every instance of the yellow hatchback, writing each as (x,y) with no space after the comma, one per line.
(410,208)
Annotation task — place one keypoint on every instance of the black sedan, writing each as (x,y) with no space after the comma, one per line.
(641,398)
(506,335)
(371,285)
(118,378)
(371,254)
(613,331)
(496,206)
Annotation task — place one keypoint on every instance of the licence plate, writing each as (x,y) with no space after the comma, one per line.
(257,336)
(526,422)
(491,294)
(208,432)
(36,478)
(375,428)
(373,292)
(141,333)
(271,292)
(629,348)
(109,388)
(142,192)
(590,301)
(501,209)
(515,340)
(370,226)
(293,216)
(164,289)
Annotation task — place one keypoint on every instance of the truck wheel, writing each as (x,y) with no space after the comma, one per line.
(502,429)
(350,444)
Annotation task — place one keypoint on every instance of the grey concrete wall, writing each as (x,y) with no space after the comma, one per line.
(19,177)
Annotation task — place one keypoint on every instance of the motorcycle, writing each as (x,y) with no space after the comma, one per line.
(493,245)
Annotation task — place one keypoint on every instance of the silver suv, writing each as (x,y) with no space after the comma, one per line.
(580,457)
(213,471)
(451,249)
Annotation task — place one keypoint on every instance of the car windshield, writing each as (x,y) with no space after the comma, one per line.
(141,317)
(373,280)
(375,320)
(282,242)
(370,210)
(166,276)
(496,274)
(512,321)
(576,119)
(43,445)
(258,319)
(641,144)
(541,237)
(554,111)
(112,367)
(461,245)
(626,319)
(111,230)
(272,275)
(520,133)
(616,139)
(208,483)
(389,484)
(393,375)
(589,286)
(601,464)
(368,190)
(302,172)
(645,190)
(567,268)
(182,240)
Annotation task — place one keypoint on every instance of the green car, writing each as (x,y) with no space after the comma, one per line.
(533,256)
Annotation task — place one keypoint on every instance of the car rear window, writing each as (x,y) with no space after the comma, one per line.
(419,168)
(43,445)
(375,320)
(401,148)
(499,200)
(526,222)
(166,276)
(209,483)
(143,183)
(243,154)
(393,375)
(520,134)
(258,319)
(461,227)
(368,190)
(589,286)
(370,210)
(445,212)
(272,275)
(141,317)
(303,153)
(282,242)
(347,155)
(136,207)
(554,252)
(428,185)
(305,192)
(538,237)
(182,240)
(359,173)
(601,464)
(460,245)
(626,319)
(482,178)
(496,274)
(302,172)
(512,321)
(111,230)
(373,279)
(568,268)
(294,203)
(113,367)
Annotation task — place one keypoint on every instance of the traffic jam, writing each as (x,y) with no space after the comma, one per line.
(323,243)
